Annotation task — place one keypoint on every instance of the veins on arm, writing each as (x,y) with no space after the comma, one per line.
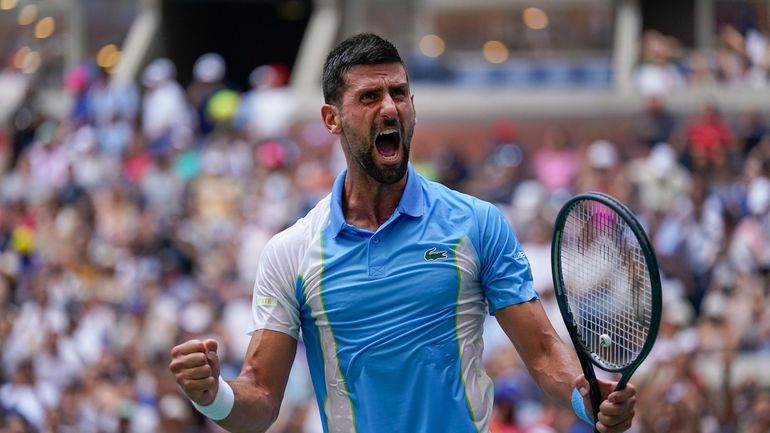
(260,386)
(551,362)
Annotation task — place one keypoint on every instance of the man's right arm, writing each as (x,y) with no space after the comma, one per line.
(258,388)
(251,402)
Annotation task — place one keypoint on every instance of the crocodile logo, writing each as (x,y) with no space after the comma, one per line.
(432,255)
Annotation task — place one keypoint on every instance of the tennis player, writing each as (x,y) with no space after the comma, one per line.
(388,280)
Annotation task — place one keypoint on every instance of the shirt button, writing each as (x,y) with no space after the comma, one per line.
(375,240)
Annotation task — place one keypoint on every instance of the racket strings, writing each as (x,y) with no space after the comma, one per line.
(607,283)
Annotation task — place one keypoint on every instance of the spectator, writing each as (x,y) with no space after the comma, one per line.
(268,109)
(556,163)
(750,245)
(501,169)
(731,57)
(208,77)
(709,139)
(692,236)
(24,123)
(30,399)
(658,179)
(657,74)
(701,76)
(751,131)
(111,100)
(603,171)
(656,124)
(166,119)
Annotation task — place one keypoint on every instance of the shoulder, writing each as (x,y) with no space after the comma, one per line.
(294,240)
(477,218)
(457,201)
(439,194)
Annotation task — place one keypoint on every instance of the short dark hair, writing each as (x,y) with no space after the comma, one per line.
(361,49)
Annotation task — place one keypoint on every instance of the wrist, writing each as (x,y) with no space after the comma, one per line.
(579,407)
(222,405)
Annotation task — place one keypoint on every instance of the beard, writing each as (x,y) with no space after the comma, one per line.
(388,174)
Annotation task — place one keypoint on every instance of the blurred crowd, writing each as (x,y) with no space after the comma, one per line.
(137,222)
(740,59)
(701,187)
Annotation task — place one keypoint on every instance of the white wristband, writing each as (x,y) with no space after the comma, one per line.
(222,405)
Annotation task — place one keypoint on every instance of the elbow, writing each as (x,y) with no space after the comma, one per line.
(269,410)
(258,409)
(271,407)
(267,418)
(273,410)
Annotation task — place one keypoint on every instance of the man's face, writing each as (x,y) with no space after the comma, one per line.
(377,120)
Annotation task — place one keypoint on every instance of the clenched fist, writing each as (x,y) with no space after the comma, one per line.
(195,365)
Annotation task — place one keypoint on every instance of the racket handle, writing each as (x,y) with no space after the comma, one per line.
(622,382)
(596,399)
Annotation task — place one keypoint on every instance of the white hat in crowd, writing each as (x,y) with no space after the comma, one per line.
(158,71)
(662,160)
(209,68)
(602,154)
(758,197)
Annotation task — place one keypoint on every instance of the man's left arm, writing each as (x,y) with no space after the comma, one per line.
(555,367)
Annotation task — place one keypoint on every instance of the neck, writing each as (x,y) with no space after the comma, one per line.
(366,203)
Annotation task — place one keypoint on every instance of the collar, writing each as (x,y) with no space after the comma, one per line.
(412,201)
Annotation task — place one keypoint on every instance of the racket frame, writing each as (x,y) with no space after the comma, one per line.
(585,355)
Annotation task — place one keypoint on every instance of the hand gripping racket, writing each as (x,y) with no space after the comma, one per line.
(607,284)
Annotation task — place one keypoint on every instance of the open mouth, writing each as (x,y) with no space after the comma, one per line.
(388,144)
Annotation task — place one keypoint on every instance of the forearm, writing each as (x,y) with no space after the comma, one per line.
(551,363)
(260,386)
(554,368)
(254,410)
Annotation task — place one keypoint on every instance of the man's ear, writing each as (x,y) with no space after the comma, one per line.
(331,119)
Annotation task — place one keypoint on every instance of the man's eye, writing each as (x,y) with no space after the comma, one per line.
(369,96)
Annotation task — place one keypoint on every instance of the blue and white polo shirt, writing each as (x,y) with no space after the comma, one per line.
(392,320)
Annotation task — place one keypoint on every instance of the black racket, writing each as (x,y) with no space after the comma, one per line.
(607,284)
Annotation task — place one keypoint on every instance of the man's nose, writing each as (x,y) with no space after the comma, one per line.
(388,108)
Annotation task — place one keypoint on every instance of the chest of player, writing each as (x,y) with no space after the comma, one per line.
(401,274)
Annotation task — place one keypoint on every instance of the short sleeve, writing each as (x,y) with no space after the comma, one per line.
(506,277)
(274,305)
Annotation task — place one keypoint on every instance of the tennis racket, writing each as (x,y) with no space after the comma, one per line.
(607,285)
